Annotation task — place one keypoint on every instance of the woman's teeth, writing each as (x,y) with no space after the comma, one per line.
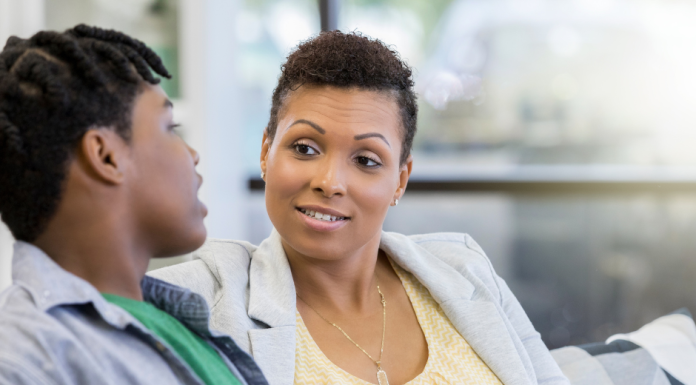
(320,216)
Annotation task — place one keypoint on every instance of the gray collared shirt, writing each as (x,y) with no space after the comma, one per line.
(56,328)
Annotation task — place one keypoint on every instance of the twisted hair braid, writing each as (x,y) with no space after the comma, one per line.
(54,87)
(10,139)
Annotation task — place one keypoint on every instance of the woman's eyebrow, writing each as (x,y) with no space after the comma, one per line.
(309,123)
(372,135)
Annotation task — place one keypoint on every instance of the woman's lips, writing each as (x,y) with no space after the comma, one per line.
(322,210)
(321,225)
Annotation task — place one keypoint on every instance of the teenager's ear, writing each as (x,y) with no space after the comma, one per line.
(102,153)
(265,147)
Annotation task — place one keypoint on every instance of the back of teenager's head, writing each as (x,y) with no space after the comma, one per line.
(54,87)
(349,60)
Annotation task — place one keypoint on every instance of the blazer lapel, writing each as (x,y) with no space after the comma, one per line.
(478,321)
(272,302)
(274,351)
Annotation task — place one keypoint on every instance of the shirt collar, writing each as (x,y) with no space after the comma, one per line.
(184,305)
(50,285)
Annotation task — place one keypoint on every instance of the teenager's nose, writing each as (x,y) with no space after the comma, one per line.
(329,179)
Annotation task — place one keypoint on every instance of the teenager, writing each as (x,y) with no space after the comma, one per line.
(94,182)
(331,298)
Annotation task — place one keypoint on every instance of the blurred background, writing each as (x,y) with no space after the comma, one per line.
(560,134)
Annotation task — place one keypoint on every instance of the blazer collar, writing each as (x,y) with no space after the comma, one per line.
(271,288)
(272,302)
(437,276)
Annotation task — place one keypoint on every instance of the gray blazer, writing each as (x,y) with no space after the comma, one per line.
(252,297)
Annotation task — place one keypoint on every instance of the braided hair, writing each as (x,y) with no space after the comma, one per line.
(54,87)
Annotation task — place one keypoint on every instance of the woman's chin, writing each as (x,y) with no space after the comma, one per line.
(311,247)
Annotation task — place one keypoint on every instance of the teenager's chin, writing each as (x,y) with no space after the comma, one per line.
(181,244)
(198,238)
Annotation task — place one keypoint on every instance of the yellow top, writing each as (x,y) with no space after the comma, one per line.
(450,358)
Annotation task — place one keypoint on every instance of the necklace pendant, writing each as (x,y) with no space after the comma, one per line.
(382,377)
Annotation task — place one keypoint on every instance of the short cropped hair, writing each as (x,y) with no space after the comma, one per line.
(54,87)
(349,60)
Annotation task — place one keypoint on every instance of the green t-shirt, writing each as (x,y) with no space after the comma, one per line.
(201,357)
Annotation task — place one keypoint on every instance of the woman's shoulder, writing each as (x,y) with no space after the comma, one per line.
(452,248)
(448,241)
(216,251)
(218,263)
(453,251)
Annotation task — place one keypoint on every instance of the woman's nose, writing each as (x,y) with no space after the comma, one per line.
(329,179)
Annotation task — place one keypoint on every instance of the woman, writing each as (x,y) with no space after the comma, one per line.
(331,298)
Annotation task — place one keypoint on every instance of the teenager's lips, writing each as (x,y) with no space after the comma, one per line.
(319,225)
(204,208)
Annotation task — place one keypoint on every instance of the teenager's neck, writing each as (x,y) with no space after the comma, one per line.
(98,246)
(346,285)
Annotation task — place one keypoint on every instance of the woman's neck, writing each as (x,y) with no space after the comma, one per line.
(343,285)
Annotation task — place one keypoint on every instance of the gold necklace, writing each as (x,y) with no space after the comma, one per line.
(381,374)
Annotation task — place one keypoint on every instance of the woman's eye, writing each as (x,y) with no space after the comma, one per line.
(305,149)
(367,162)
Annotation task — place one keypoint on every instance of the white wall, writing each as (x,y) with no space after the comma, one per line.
(20,17)
(211,122)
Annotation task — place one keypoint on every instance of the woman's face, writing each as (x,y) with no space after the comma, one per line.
(333,170)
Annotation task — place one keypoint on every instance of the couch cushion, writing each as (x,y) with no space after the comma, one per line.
(659,353)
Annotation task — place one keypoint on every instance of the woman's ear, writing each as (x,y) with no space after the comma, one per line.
(404,175)
(102,153)
(265,146)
